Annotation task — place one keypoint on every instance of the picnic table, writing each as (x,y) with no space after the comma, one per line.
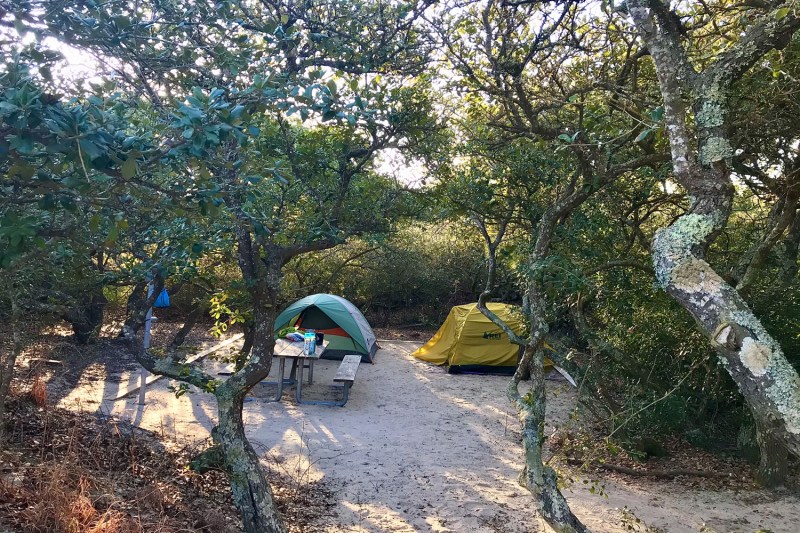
(285,349)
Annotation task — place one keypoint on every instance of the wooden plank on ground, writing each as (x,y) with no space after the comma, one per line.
(48,361)
(348,368)
(192,359)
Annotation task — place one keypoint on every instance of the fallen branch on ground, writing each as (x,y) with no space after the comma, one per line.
(649,473)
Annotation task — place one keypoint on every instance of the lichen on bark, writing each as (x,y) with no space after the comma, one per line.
(673,244)
(715,149)
(700,153)
(693,275)
(711,114)
(783,390)
(755,356)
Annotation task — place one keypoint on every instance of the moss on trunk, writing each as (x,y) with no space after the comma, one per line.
(250,489)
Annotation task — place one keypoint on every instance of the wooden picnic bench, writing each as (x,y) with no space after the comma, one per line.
(345,374)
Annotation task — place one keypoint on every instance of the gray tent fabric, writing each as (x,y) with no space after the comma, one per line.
(328,311)
(361,322)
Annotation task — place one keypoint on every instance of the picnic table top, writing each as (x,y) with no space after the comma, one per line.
(287,348)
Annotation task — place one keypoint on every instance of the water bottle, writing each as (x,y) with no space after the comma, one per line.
(309,342)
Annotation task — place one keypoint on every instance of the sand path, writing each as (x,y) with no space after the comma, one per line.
(417,449)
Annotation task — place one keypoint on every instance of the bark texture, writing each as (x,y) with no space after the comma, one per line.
(86,318)
(138,306)
(773,466)
(540,479)
(250,489)
(700,156)
(191,321)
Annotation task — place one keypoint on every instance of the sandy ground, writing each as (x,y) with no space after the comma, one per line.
(417,449)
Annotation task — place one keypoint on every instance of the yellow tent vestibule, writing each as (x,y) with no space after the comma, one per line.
(470,342)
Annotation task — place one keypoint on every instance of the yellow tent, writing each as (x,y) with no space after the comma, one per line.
(470,342)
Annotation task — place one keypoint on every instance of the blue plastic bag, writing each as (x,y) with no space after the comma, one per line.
(162,300)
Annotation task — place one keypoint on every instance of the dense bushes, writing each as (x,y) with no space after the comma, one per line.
(413,276)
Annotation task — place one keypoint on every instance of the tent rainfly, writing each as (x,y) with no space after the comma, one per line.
(346,329)
(471,343)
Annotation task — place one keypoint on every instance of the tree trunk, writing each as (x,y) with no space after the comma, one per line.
(191,321)
(247,346)
(250,489)
(789,258)
(87,318)
(782,217)
(134,319)
(539,479)
(773,466)
(138,312)
(755,361)
(746,442)
(249,486)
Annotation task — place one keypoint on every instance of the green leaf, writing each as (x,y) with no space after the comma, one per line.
(22,144)
(68,203)
(643,135)
(90,149)
(781,13)
(101,177)
(129,168)
(253,131)
(8,107)
(237,111)
(22,169)
(188,132)
(279,178)
(657,114)
(47,202)
(332,87)
(566,138)
(259,228)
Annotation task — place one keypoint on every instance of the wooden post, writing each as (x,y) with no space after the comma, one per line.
(146,344)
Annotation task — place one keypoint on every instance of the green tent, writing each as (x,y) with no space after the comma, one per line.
(345,328)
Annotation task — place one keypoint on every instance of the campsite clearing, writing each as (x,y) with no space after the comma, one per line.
(417,449)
